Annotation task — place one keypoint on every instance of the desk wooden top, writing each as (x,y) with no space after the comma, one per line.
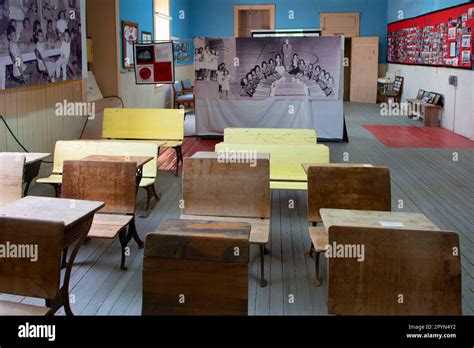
(306,166)
(360,218)
(53,209)
(140,160)
(30,157)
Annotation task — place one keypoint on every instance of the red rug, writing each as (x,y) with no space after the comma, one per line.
(191,145)
(419,137)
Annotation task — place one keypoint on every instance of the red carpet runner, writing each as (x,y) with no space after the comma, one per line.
(167,159)
(419,137)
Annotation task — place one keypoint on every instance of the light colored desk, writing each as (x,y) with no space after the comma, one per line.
(360,218)
(32,166)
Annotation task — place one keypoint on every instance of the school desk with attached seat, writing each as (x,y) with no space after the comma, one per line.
(163,126)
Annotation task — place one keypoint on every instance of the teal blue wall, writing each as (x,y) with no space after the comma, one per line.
(138,11)
(414,8)
(181,27)
(216,17)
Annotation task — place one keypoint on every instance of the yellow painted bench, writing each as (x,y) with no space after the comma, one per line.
(77,150)
(286,171)
(269,136)
(148,125)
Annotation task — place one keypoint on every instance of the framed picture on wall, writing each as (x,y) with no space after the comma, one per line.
(432,98)
(452,49)
(420,94)
(130,34)
(146,37)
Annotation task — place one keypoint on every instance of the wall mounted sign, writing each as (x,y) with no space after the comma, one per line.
(442,38)
(154,63)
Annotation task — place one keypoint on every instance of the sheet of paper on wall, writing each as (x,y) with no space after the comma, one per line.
(93,90)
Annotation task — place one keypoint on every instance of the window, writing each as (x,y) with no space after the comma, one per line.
(162,20)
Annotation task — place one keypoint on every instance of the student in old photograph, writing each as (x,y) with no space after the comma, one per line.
(15,54)
(61,24)
(207,62)
(4,16)
(63,60)
(226,79)
(45,65)
(280,69)
(26,36)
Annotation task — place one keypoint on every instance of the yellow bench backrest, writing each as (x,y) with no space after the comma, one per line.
(79,149)
(143,124)
(268,136)
(285,161)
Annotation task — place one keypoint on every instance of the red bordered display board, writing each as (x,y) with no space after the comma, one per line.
(154,63)
(442,38)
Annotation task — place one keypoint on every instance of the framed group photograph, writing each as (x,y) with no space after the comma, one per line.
(420,95)
(130,32)
(431,99)
(426,97)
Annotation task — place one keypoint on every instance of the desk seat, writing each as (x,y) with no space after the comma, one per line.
(107,226)
(319,237)
(53,179)
(259,232)
(14,309)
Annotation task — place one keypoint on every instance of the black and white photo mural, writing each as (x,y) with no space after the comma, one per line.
(41,42)
(261,68)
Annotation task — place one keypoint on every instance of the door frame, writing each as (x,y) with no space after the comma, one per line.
(238,8)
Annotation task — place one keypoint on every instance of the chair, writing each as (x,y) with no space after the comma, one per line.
(190,268)
(113,183)
(21,276)
(343,186)
(404,272)
(181,98)
(187,86)
(214,190)
(11,178)
(397,90)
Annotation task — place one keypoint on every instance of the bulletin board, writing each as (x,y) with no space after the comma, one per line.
(442,38)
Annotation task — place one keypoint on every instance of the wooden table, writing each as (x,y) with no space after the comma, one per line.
(141,161)
(32,166)
(360,218)
(432,114)
(77,217)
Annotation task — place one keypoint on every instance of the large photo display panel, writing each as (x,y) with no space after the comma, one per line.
(442,38)
(40,42)
(263,68)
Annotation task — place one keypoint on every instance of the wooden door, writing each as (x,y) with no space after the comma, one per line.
(337,24)
(364,69)
(248,18)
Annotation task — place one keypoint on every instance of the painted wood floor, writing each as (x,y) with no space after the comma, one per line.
(426,181)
